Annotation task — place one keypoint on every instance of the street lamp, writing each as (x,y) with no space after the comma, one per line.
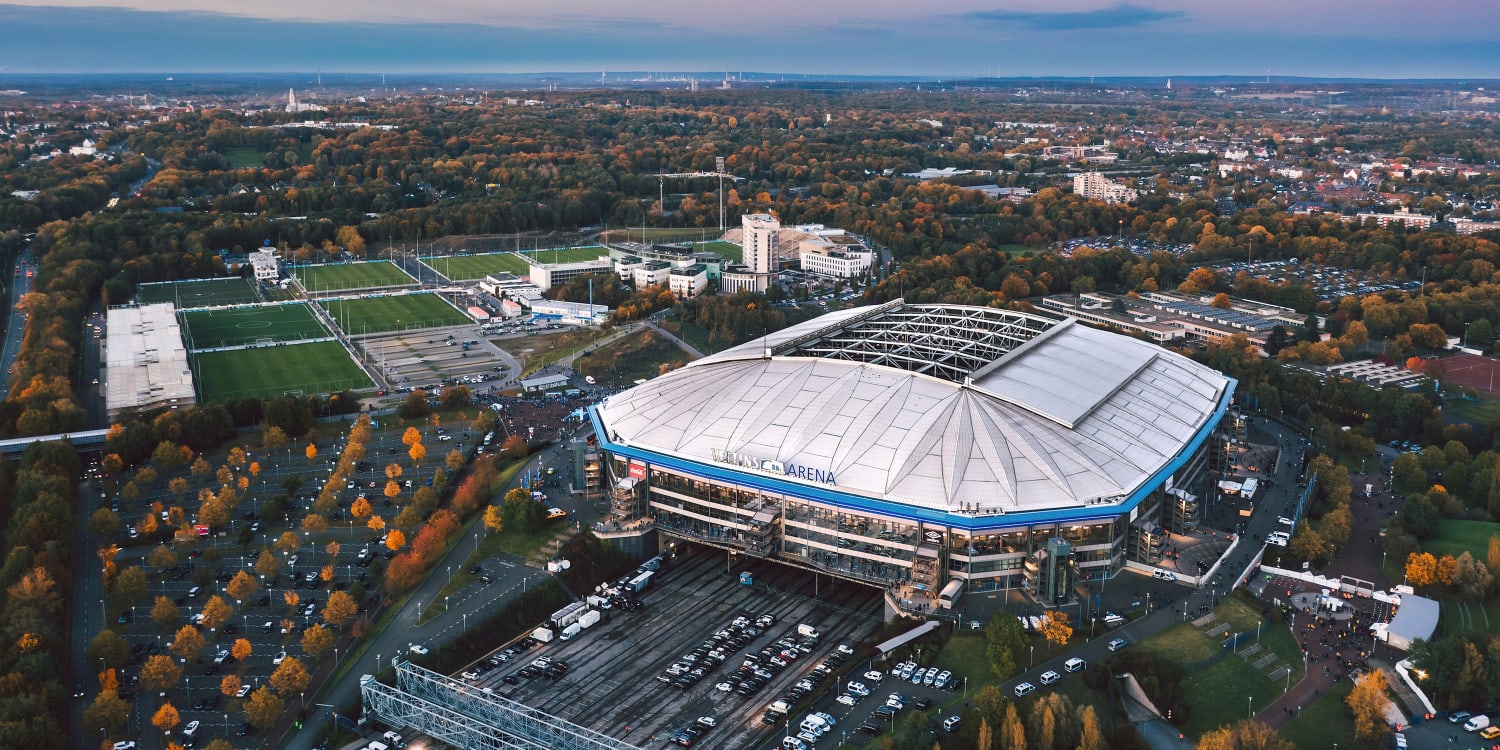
(1033,657)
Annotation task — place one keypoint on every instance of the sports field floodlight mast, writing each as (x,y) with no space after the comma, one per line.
(661,187)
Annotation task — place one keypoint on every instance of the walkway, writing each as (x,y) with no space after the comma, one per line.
(668,335)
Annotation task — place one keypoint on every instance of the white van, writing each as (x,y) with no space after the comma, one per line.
(1024,689)
(1074,664)
(1476,723)
(1113,620)
(951,723)
(377,745)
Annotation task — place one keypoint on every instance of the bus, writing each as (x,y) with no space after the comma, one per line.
(951,594)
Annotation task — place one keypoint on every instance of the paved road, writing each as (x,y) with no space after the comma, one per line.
(15,327)
(668,335)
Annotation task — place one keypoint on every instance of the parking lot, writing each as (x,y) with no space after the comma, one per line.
(610,683)
(428,360)
(1328,282)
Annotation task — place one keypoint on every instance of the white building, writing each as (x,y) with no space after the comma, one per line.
(145,361)
(1095,186)
(1412,219)
(626,266)
(651,273)
(265,265)
(688,281)
(762,233)
(841,255)
(548,275)
(572,313)
(737,278)
(506,285)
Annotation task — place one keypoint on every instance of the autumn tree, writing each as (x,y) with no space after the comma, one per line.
(311,452)
(1012,731)
(288,542)
(263,708)
(187,643)
(454,460)
(316,640)
(165,613)
(395,540)
(411,437)
(393,471)
(1445,570)
(1055,628)
(230,685)
(131,583)
(240,649)
(1089,735)
(1421,568)
(216,612)
(514,447)
(104,523)
(392,490)
(267,564)
(107,712)
(159,673)
(360,508)
(110,647)
(1247,734)
(242,586)
(314,523)
(1367,701)
(166,718)
(161,557)
(494,519)
(341,607)
(376,523)
(290,677)
(272,436)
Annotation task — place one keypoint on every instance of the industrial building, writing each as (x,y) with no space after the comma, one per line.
(145,361)
(919,445)
(547,275)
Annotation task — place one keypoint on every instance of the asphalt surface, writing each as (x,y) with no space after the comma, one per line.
(15,326)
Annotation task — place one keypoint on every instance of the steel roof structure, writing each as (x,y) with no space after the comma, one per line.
(944,408)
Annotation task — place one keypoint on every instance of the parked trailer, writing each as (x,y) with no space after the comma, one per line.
(589,619)
(542,634)
(640,582)
(568,615)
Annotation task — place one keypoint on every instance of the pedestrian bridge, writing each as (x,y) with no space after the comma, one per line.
(82,439)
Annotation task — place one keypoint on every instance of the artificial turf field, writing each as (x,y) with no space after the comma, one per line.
(728,250)
(568,254)
(336,276)
(400,312)
(319,367)
(465,267)
(211,329)
(199,293)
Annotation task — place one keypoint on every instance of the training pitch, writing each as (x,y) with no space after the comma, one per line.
(212,329)
(466,267)
(568,254)
(200,293)
(401,312)
(320,367)
(727,250)
(372,275)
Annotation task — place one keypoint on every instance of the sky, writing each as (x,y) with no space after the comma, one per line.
(955,38)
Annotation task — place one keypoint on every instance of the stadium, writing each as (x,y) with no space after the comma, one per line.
(928,447)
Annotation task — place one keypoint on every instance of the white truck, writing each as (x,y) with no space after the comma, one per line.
(589,619)
(542,634)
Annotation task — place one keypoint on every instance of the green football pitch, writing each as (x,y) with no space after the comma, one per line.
(728,250)
(338,276)
(568,254)
(262,372)
(211,329)
(401,312)
(199,293)
(465,267)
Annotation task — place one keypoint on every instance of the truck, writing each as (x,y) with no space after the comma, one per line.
(589,619)
(1369,490)
(778,707)
(640,582)
(569,632)
(595,600)
(568,615)
(543,635)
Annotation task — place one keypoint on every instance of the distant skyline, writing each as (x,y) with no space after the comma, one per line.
(957,38)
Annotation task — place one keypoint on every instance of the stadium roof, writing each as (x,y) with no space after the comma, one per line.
(951,408)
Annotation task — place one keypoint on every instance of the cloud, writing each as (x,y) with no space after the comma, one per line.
(1123,15)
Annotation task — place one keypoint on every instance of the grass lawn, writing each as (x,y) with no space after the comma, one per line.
(199,293)
(244,157)
(336,276)
(1182,643)
(639,355)
(211,329)
(1223,693)
(568,254)
(1454,537)
(400,312)
(464,267)
(660,234)
(729,250)
(1324,720)
(1480,411)
(541,350)
(964,655)
(1018,251)
(695,335)
(321,367)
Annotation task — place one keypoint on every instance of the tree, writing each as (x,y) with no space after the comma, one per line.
(1056,629)
(272,437)
(200,468)
(187,643)
(107,713)
(131,583)
(164,613)
(341,607)
(111,647)
(263,708)
(1311,329)
(1445,570)
(1247,734)
(311,452)
(112,464)
(521,513)
(1089,736)
(178,486)
(316,640)
(1421,569)
(266,564)
(314,523)
(159,673)
(216,612)
(288,542)
(230,685)
(161,557)
(415,406)
(494,519)
(1012,731)
(514,447)
(454,460)
(104,522)
(411,437)
(290,677)
(1367,702)
(240,649)
(360,508)
(392,490)
(242,586)
(986,739)
(393,470)
(1003,640)
(166,718)
(395,539)
(417,453)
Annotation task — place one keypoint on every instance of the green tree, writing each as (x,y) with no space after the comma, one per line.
(1004,639)
(111,647)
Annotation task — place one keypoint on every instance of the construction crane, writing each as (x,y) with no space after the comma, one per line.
(721,174)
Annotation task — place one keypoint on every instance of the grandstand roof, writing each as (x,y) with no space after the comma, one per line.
(951,408)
